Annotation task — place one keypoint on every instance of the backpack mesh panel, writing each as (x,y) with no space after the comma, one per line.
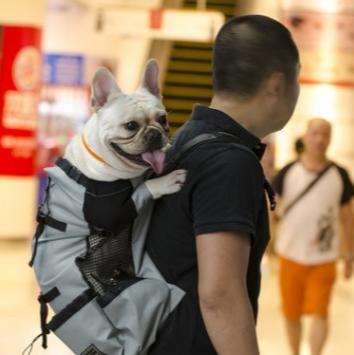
(107,261)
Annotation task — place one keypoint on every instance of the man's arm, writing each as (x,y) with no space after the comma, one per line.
(225,306)
(347,222)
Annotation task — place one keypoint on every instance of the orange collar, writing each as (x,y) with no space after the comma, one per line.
(96,156)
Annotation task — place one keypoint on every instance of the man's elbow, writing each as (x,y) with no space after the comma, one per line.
(218,299)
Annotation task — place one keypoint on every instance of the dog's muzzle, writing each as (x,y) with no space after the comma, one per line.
(153,140)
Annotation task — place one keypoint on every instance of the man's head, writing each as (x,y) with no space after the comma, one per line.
(255,58)
(317,137)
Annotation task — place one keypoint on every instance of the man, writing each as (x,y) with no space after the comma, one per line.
(209,238)
(308,234)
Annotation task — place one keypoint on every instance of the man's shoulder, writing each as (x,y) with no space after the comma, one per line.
(278,181)
(222,147)
(222,156)
(342,174)
(348,187)
(221,153)
(341,170)
(287,167)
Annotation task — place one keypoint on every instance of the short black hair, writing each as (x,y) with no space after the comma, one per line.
(247,50)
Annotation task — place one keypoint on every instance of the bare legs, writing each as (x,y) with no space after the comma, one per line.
(318,334)
(294,331)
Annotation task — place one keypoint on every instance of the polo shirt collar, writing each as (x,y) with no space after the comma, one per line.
(224,123)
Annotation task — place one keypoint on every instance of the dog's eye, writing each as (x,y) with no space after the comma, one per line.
(162,120)
(132,126)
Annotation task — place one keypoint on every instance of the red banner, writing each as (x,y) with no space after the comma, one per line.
(156,18)
(20,79)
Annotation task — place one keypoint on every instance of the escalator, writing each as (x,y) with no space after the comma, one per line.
(188,74)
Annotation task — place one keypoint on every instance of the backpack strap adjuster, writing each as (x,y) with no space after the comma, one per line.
(43,299)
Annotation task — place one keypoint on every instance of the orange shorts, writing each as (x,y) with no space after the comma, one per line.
(305,289)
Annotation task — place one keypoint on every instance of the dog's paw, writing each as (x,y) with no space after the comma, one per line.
(168,184)
(174,181)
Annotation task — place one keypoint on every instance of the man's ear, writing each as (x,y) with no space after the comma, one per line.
(104,87)
(150,79)
(275,84)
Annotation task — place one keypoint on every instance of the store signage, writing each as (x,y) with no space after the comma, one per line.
(156,17)
(20,73)
(166,24)
(323,31)
(62,69)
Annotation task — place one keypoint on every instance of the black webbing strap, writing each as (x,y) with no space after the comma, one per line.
(44,219)
(43,299)
(307,189)
(271,194)
(37,234)
(73,172)
(50,221)
(196,142)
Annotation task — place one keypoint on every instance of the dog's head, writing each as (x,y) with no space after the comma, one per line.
(134,127)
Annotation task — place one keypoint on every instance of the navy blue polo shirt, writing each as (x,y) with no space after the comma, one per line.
(224,192)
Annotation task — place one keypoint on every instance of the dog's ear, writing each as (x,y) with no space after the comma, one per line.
(104,86)
(150,79)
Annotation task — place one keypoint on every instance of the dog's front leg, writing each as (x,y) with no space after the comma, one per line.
(168,184)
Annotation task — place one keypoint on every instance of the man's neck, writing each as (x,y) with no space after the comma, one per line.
(314,162)
(246,113)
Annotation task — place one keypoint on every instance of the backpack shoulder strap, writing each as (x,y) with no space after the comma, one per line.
(202,139)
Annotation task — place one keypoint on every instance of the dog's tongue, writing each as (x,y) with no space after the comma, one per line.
(156,159)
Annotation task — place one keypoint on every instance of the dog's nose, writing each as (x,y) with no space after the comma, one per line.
(153,139)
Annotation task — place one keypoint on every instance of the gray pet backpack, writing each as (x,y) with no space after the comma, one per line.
(107,295)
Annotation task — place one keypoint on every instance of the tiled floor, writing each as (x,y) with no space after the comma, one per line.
(19,313)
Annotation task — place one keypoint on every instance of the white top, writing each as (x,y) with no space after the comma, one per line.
(309,232)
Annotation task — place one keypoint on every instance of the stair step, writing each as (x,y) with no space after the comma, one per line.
(183,104)
(190,67)
(189,79)
(187,91)
(191,53)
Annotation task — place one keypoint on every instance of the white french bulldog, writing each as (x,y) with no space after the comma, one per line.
(126,135)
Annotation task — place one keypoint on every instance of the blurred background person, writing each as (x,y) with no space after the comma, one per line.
(315,195)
